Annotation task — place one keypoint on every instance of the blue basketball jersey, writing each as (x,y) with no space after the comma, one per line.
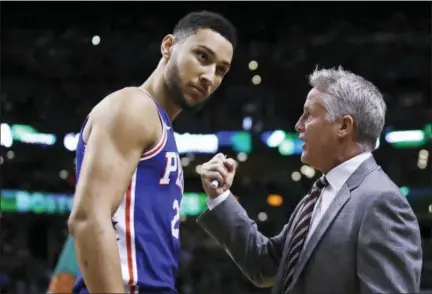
(147,221)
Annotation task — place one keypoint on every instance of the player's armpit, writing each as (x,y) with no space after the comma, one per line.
(114,144)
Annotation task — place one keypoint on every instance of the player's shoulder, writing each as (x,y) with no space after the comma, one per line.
(128,104)
(133,100)
(128,110)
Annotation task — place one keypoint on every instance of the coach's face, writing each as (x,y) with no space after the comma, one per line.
(319,136)
(196,66)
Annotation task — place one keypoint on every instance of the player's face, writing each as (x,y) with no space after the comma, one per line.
(319,136)
(197,67)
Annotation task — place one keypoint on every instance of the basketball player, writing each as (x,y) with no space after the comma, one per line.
(125,215)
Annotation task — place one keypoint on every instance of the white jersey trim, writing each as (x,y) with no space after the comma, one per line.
(125,232)
(161,144)
(158,147)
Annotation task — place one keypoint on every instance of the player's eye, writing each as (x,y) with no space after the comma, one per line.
(221,70)
(202,56)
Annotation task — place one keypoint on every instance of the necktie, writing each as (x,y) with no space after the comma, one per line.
(301,230)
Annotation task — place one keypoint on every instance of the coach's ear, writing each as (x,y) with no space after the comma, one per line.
(167,46)
(346,126)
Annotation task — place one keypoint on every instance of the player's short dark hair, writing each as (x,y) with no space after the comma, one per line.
(194,21)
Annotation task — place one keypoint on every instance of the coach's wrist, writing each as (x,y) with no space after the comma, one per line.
(215,201)
(223,195)
(213,193)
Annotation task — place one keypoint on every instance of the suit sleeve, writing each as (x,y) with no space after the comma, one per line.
(257,256)
(389,256)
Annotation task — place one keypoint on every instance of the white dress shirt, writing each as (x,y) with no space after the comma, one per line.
(336,178)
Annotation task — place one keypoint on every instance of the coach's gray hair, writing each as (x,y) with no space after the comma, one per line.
(350,94)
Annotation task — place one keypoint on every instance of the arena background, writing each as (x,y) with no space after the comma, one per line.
(60,59)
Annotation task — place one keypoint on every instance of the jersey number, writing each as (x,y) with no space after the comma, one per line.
(175,221)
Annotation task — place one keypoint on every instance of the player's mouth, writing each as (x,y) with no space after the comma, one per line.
(198,91)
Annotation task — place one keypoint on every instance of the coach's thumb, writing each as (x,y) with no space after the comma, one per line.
(230,164)
(220,156)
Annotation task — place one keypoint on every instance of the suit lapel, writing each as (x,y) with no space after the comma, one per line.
(341,198)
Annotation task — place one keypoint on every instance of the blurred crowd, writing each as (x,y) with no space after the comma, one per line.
(54,70)
(28,259)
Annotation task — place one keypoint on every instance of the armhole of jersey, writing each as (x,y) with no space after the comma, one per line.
(81,133)
(153,151)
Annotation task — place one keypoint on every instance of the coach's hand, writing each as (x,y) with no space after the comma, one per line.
(222,170)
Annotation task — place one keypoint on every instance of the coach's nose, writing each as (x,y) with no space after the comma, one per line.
(299,126)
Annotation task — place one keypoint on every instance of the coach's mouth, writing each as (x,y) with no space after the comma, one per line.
(302,138)
(304,146)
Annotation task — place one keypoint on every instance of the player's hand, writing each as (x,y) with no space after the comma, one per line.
(220,169)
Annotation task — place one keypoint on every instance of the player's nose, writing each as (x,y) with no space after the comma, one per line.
(207,78)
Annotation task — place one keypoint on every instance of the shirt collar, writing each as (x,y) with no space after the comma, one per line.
(341,173)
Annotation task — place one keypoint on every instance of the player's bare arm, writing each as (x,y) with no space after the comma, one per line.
(119,129)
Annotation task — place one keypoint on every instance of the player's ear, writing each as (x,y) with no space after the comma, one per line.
(167,46)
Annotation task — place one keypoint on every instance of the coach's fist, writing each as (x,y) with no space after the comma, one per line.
(220,169)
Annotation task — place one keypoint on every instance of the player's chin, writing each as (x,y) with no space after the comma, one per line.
(193,103)
(186,106)
(194,99)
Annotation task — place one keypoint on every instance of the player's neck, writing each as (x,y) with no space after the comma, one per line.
(155,86)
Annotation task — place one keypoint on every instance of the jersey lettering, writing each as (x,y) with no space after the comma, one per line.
(171,167)
(173,164)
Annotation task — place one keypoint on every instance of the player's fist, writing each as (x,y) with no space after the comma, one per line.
(221,170)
